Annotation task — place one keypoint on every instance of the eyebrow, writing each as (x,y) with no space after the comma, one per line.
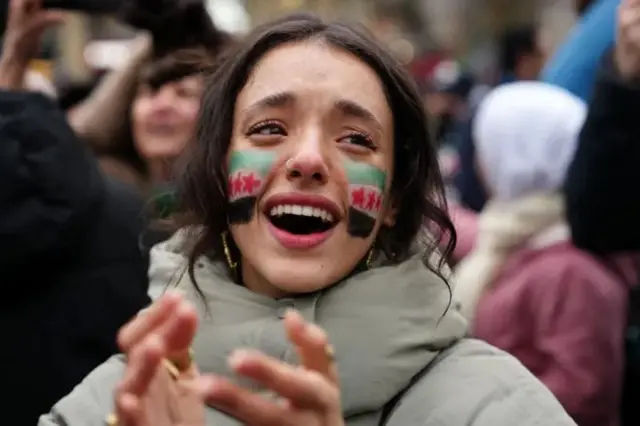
(277,100)
(352,109)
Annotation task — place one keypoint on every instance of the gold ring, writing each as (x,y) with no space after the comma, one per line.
(331,353)
(177,366)
(112,419)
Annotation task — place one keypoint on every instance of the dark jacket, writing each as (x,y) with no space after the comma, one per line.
(72,271)
(603,202)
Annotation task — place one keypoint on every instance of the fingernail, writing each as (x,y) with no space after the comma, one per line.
(290,312)
(316,333)
(238,357)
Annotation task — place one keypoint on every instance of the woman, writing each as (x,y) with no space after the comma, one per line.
(140,118)
(306,191)
(528,289)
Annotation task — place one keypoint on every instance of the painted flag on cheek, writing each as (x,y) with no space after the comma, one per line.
(248,171)
(366,189)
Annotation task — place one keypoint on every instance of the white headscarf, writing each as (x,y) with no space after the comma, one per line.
(525,136)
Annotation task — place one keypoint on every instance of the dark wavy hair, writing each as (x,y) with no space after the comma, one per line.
(417,187)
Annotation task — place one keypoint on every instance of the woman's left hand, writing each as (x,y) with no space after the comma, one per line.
(308,395)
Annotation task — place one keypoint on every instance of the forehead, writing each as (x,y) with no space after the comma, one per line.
(317,70)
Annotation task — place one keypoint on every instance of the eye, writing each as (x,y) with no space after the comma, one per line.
(267,128)
(188,93)
(359,140)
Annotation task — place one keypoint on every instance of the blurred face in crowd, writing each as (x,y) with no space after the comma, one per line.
(530,63)
(439,103)
(164,118)
(310,166)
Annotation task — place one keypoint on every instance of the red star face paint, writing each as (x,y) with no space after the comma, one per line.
(248,171)
(366,193)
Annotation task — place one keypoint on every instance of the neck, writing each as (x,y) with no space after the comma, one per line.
(159,171)
(257,283)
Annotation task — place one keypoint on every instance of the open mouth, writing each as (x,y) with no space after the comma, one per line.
(301,220)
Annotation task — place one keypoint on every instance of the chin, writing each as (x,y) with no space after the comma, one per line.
(299,276)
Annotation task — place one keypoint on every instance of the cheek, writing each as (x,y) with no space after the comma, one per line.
(366,197)
(188,111)
(139,114)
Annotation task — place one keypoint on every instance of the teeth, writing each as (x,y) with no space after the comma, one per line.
(301,211)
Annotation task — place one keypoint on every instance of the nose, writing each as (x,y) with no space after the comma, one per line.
(307,167)
(163,99)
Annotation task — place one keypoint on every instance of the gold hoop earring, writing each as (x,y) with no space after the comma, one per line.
(227,253)
(369,262)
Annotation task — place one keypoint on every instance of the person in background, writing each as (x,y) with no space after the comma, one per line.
(603,210)
(603,205)
(447,88)
(140,117)
(574,64)
(520,54)
(152,106)
(72,269)
(309,188)
(525,287)
(520,58)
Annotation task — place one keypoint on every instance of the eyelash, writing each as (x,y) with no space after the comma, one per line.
(365,141)
(257,128)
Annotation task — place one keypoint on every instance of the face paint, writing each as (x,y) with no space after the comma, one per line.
(366,189)
(248,171)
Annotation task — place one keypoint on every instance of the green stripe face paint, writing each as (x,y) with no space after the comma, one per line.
(248,171)
(366,197)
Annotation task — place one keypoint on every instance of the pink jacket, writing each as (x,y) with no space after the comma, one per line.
(562,313)
(466,223)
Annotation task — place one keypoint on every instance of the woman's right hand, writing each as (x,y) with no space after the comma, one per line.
(155,391)
(26,22)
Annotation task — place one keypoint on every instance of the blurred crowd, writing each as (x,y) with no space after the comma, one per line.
(537,159)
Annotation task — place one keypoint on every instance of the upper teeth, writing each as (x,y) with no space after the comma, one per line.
(301,211)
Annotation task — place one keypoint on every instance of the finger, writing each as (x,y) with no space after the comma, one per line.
(246,406)
(178,333)
(16,10)
(312,346)
(138,328)
(43,21)
(305,388)
(129,410)
(142,366)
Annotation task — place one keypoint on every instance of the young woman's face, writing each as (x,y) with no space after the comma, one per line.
(164,119)
(310,167)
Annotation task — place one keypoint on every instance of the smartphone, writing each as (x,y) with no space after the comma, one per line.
(87,6)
